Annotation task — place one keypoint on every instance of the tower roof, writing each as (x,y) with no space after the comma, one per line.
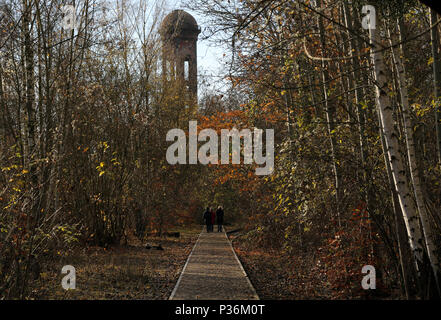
(179,23)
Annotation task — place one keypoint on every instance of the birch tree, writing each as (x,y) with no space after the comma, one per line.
(411,154)
(393,150)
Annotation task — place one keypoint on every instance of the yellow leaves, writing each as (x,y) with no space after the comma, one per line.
(14,166)
(423,110)
(430,61)
(104,145)
(100,168)
(283,92)
(116,162)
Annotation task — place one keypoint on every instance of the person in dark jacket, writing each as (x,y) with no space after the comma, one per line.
(220,218)
(207,218)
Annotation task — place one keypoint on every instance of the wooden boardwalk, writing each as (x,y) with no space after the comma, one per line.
(213,272)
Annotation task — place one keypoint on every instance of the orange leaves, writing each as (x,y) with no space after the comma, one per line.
(224,120)
(344,254)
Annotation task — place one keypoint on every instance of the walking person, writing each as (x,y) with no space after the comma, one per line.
(213,219)
(207,219)
(220,218)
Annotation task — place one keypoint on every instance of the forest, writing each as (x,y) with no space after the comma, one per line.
(352,90)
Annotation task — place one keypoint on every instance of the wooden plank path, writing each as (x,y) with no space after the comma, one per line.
(213,272)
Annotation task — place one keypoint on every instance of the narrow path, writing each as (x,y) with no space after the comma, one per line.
(213,272)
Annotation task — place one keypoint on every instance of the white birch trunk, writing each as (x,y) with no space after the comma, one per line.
(394,155)
(411,154)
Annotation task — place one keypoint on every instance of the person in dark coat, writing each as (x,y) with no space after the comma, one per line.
(207,218)
(220,218)
(213,219)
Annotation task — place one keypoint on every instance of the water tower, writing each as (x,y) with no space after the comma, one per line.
(179,34)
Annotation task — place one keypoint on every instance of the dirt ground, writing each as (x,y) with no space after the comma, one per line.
(121,272)
(277,276)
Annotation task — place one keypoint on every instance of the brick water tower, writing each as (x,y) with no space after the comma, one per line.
(179,34)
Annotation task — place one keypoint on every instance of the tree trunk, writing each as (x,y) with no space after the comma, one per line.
(330,114)
(394,155)
(411,154)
